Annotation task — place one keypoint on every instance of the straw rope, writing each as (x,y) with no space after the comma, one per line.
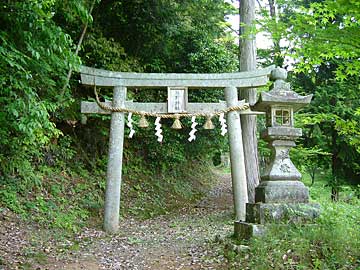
(168,115)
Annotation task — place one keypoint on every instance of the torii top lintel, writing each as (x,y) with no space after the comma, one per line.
(100,77)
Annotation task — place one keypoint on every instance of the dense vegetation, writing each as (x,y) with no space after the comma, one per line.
(50,159)
(332,244)
(47,154)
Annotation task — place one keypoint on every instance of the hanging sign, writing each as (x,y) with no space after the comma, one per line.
(177,99)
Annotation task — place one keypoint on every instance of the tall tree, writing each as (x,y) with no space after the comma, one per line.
(247,61)
(275,36)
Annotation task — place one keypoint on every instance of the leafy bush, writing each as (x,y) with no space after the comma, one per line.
(34,57)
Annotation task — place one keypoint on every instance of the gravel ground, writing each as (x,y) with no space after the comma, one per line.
(182,240)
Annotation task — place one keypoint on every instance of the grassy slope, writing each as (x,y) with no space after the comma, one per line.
(334,243)
(71,198)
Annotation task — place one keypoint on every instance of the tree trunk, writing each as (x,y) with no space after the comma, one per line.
(247,61)
(334,166)
(278,58)
(334,194)
(312,172)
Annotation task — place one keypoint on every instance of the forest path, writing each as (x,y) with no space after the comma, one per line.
(183,240)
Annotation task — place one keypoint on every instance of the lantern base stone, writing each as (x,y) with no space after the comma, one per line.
(281,192)
(259,216)
(264,213)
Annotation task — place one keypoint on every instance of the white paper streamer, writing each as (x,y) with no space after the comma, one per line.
(223,124)
(129,124)
(158,129)
(193,129)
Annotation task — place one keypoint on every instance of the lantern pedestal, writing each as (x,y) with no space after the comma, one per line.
(260,215)
(281,192)
(280,198)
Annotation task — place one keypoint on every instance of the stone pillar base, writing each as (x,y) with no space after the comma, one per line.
(245,230)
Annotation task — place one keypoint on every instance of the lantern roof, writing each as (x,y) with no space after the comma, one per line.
(281,94)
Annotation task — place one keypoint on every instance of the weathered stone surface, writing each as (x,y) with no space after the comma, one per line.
(238,174)
(114,172)
(245,230)
(256,78)
(280,198)
(281,192)
(282,133)
(281,94)
(281,213)
(278,74)
(281,168)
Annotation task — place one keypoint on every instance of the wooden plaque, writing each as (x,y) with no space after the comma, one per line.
(177,99)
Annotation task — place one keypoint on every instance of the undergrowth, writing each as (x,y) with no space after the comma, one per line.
(146,195)
(71,197)
(333,242)
(60,199)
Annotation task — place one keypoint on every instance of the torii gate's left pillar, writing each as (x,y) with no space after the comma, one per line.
(114,168)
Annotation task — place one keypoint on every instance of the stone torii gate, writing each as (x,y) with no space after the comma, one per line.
(120,81)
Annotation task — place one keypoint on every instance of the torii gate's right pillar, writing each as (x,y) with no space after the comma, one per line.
(281,197)
(238,173)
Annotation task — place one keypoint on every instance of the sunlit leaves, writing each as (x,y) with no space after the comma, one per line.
(327,31)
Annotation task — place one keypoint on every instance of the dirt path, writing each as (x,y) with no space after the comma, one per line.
(183,240)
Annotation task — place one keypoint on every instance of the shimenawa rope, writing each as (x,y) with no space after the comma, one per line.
(168,115)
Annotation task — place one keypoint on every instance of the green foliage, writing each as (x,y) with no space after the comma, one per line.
(108,54)
(330,123)
(320,37)
(34,56)
(317,33)
(146,195)
(332,243)
(162,45)
(328,31)
(212,57)
(59,201)
(312,160)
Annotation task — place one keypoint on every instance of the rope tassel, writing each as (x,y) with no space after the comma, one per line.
(143,123)
(208,124)
(177,123)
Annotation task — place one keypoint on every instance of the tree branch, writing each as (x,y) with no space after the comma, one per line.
(233,30)
(68,77)
(259,3)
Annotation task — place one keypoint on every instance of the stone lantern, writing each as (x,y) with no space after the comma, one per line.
(281,197)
